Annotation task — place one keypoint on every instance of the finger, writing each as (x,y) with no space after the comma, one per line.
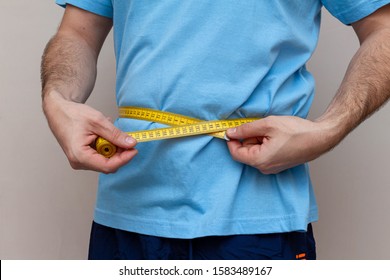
(94,161)
(257,128)
(252,141)
(247,154)
(112,134)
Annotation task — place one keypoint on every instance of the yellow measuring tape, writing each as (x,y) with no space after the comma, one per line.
(181,126)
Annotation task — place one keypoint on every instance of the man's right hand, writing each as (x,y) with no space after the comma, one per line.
(76,126)
(68,74)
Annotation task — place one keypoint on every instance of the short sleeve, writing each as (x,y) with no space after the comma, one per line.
(99,7)
(349,11)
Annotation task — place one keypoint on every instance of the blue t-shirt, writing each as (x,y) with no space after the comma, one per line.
(211,60)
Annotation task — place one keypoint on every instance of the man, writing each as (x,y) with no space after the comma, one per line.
(198,197)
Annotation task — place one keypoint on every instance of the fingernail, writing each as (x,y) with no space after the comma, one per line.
(232,130)
(130,140)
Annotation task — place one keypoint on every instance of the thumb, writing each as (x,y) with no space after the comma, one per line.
(253,129)
(108,131)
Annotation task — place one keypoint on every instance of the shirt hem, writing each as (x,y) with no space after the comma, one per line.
(171,229)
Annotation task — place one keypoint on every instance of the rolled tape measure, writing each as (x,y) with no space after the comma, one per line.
(181,126)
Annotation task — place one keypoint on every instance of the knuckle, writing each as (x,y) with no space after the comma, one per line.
(263,170)
(267,169)
(105,171)
(97,118)
(268,121)
(263,167)
(234,156)
(108,170)
(115,133)
(74,163)
(240,158)
(245,128)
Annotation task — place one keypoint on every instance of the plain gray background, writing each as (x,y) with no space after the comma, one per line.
(46,208)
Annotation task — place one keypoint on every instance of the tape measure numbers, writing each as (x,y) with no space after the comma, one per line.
(181,126)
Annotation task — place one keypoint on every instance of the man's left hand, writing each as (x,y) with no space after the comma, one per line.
(276,143)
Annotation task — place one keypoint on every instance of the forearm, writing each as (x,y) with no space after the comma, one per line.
(68,67)
(68,76)
(276,143)
(364,89)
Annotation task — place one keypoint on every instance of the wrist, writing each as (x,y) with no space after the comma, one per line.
(51,101)
(333,130)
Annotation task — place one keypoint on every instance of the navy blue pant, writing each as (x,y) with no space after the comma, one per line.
(108,243)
